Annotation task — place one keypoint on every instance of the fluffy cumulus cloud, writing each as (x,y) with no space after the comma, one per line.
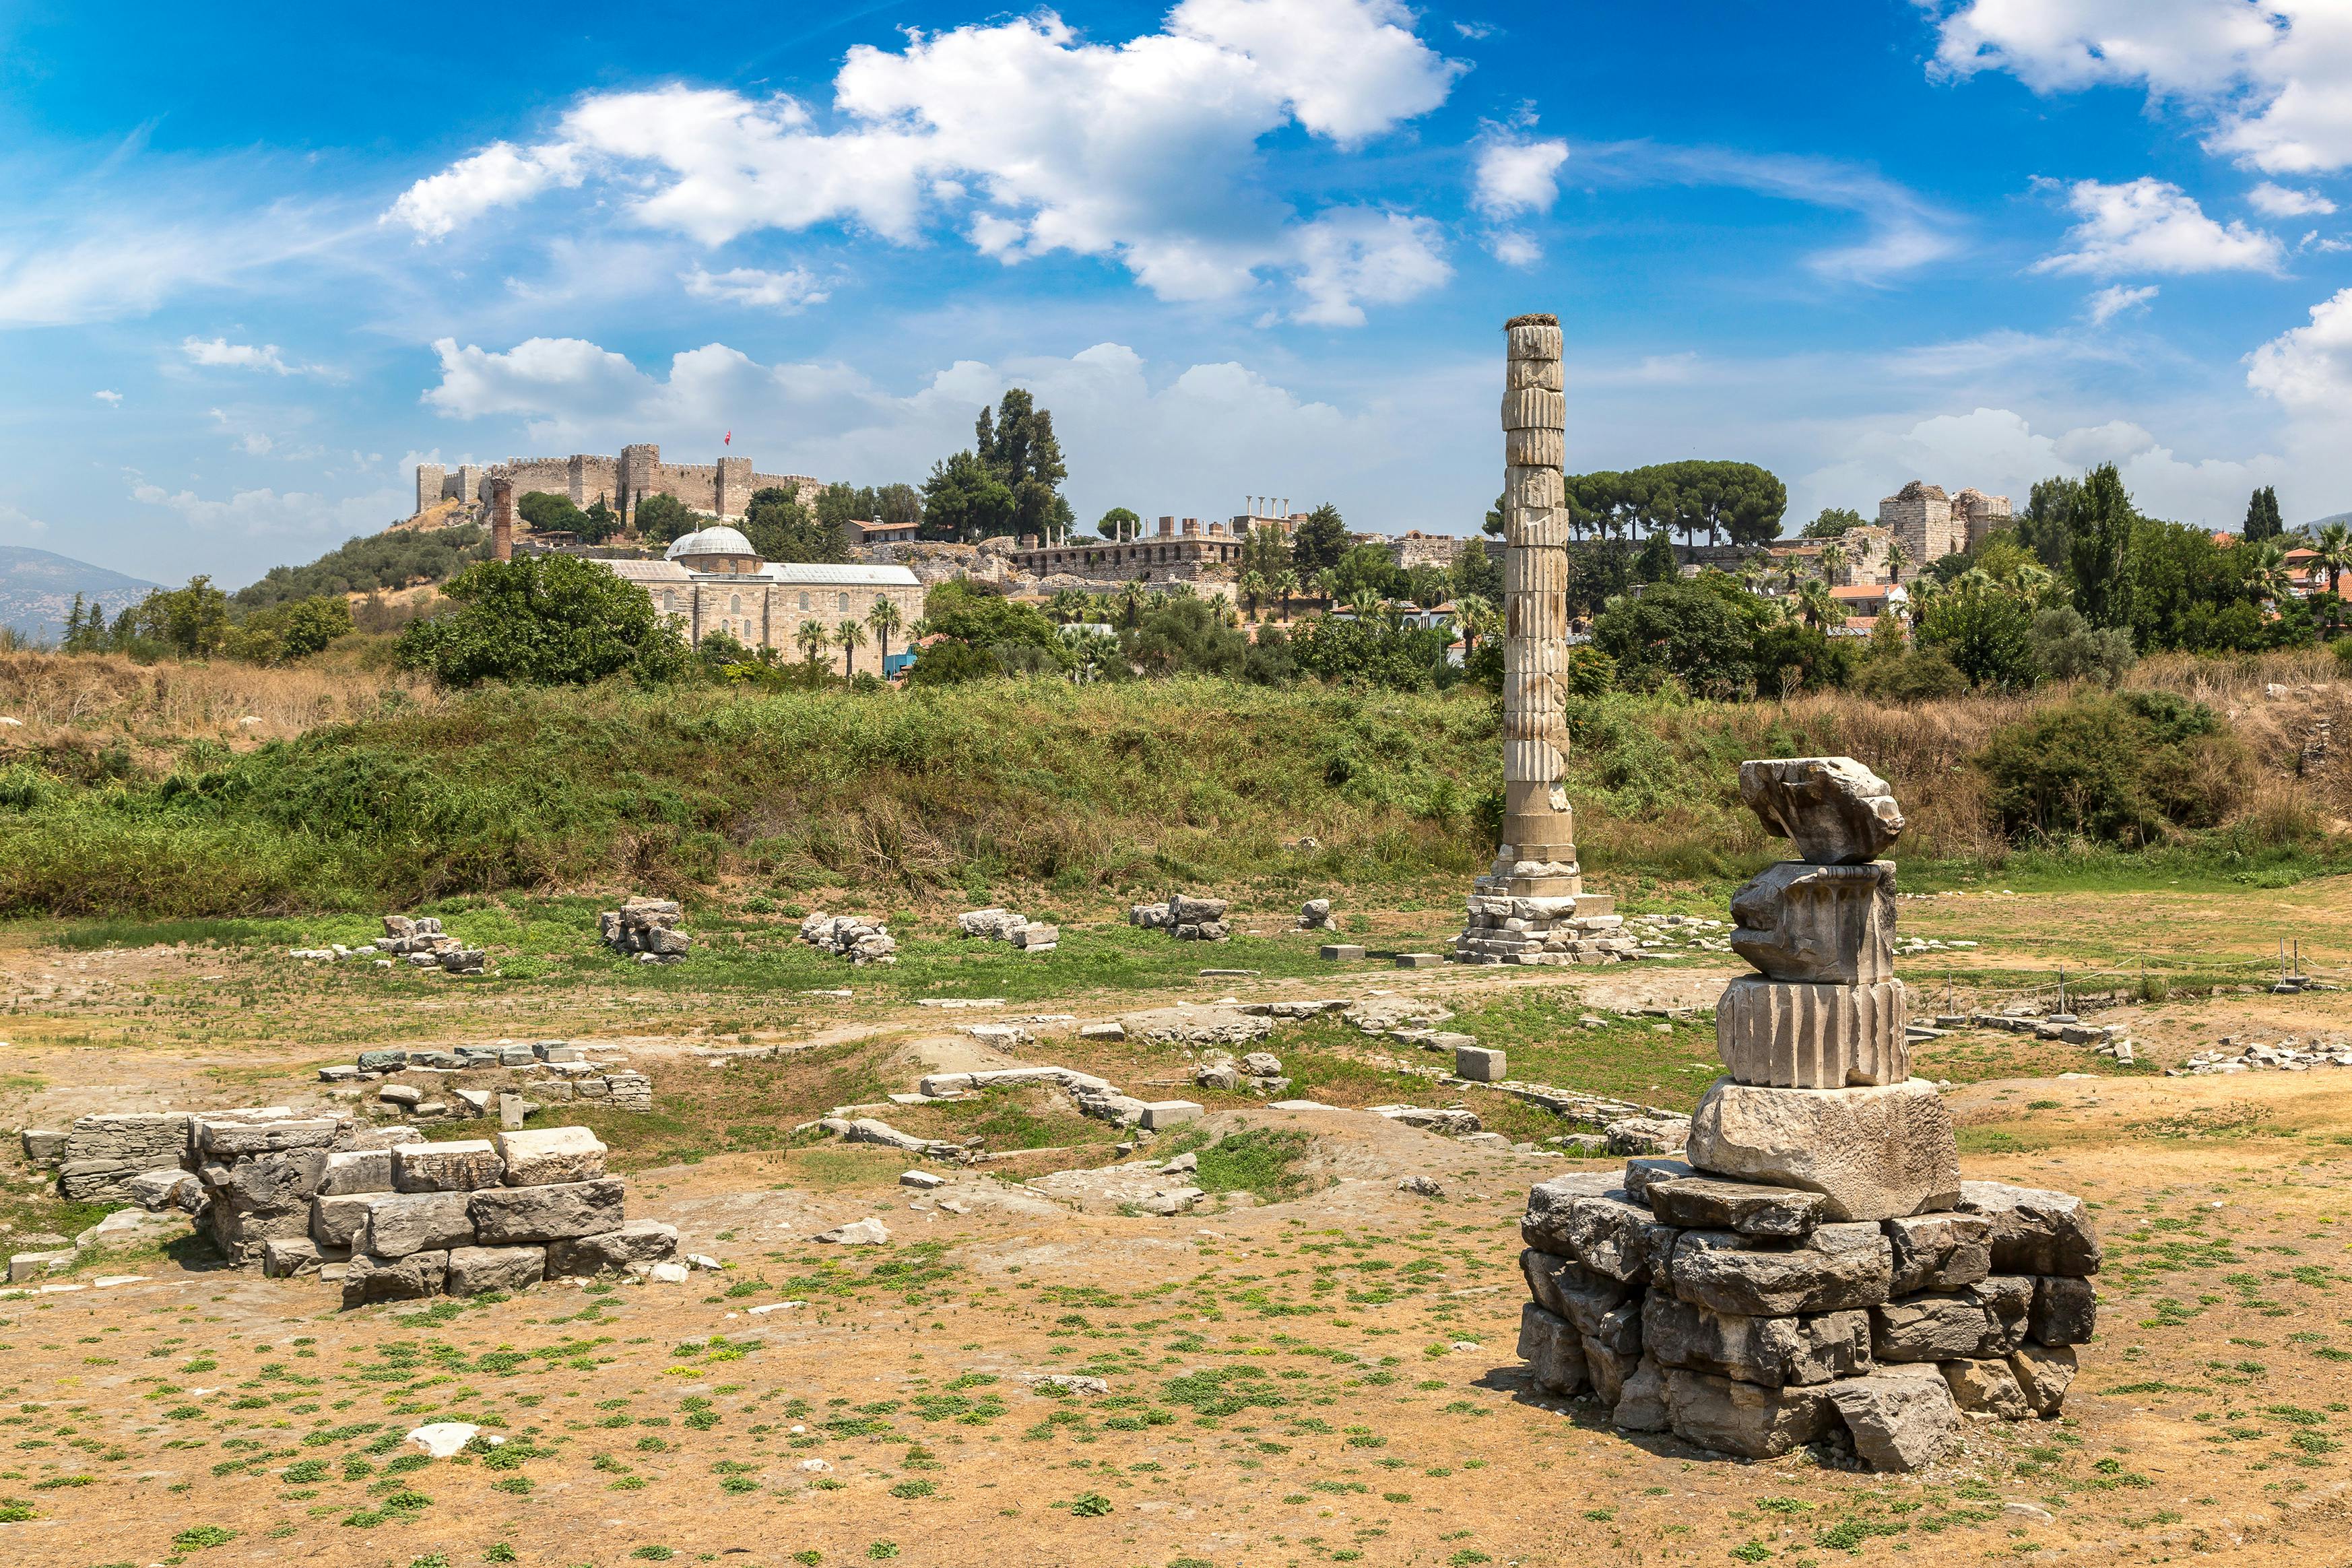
(2280,201)
(750,286)
(2000,451)
(1516,176)
(108,397)
(220,353)
(2273,77)
(1190,440)
(2309,369)
(2148,225)
(292,513)
(1022,137)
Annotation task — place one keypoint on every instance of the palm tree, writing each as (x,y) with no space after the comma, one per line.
(1252,587)
(2263,566)
(1130,600)
(883,619)
(1286,588)
(1068,604)
(1833,561)
(1327,585)
(1475,617)
(1815,605)
(848,636)
(813,640)
(2332,553)
(1899,556)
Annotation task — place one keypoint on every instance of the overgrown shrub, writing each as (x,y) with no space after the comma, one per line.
(2131,769)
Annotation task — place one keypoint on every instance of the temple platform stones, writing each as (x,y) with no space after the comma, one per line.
(1532,907)
(1814,1270)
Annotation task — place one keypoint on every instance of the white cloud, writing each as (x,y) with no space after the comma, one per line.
(111,398)
(1513,248)
(2000,451)
(17,523)
(1516,176)
(2309,369)
(1021,136)
(750,286)
(2150,226)
(270,512)
(2116,299)
(1354,254)
(220,352)
(2274,77)
(2279,201)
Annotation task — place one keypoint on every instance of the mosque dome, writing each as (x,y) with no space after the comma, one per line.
(720,540)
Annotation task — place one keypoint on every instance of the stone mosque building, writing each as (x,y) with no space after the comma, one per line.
(712,581)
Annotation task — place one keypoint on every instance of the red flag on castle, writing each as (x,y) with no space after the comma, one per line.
(728,440)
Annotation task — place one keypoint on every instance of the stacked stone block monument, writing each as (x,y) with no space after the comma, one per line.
(1532,907)
(1814,1269)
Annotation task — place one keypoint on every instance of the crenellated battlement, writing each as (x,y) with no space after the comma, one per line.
(721,490)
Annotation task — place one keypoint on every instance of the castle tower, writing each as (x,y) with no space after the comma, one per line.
(731,487)
(428,485)
(502,514)
(637,465)
(1532,907)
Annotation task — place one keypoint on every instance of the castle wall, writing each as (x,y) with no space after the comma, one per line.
(722,490)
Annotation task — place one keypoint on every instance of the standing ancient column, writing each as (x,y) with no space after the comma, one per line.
(1532,907)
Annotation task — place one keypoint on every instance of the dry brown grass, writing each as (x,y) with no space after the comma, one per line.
(61,701)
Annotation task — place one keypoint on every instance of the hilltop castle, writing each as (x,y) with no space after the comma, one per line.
(722,490)
(1933,525)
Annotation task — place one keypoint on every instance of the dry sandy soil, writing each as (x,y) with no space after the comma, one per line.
(1315,1367)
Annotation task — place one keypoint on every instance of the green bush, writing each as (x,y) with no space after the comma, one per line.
(2129,769)
(544,620)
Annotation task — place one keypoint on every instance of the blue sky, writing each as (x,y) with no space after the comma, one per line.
(256,261)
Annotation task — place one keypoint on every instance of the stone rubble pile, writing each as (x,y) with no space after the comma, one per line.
(2289,1054)
(1813,1270)
(476,1081)
(646,928)
(1260,1072)
(421,942)
(1095,1096)
(1138,1187)
(1190,919)
(1004,925)
(857,938)
(1665,933)
(1577,928)
(391,1215)
(1315,915)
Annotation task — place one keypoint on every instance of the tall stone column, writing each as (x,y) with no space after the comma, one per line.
(502,516)
(1532,907)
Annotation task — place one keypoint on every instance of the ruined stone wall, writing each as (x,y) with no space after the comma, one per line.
(1416,549)
(722,490)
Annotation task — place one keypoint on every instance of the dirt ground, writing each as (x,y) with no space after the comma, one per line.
(1315,1366)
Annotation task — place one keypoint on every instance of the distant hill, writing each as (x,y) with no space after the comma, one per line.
(396,558)
(2316,523)
(38,587)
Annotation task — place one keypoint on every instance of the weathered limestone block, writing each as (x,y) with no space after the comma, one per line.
(1608,1367)
(537,1157)
(506,1217)
(1837,1268)
(1773,1351)
(457,1167)
(474,1270)
(1744,1418)
(1937,1327)
(290,1257)
(1900,1417)
(1828,924)
(1554,1354)
(1986,1390)
(1642,1405)
(220,1139)
(401,1222)
(1939,1251)
(2008,1301)
(167,1189)
(1787,1035)
(2066,1311)
(1567,1289)
(84,1180)
(2035,1231)
(349,1171)
(1612,1237)
(1545,1225)
(147,1139)
(1838,812)
(1646,1170)
(339,1219)
(412,1277)
(273,1184)
(640,1241)
(2044,1373)
(1709,1203)
(1874,1153)
(241,1234)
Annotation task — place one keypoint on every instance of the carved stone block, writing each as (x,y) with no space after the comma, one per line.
(1824,924)
(1781,1035)
(1838,812)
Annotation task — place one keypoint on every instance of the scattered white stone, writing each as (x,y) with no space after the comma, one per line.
(703,1261)
(857,1233)
(443,1438)
(667,1273)
(813,1467)
(923,1180)
(762,1311)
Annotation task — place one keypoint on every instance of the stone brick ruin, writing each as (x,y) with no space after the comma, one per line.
(507,1080)
(1190,919)
(857,938)
(420,941)
(646,928)
(1004,925)
(389,1214)
(1814,1271)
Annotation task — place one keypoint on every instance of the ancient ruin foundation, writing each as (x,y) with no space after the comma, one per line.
(1814,1271)
(1532,907)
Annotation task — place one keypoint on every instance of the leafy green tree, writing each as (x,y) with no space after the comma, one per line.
(2069,647)
(1186,636)
(2101,522)
(1736,500)
(780,529)
(2046,525)
(848,636)
(1119,523)
(599,522)
(883,620)
(86,629)
(2262,520)
(543,620)
(663,519)
(191,622)
(1987,631)
(371,561)
(1698,632)
(983,636)
(2129,768)
(1373,651)
(1786,658)
(964,500)
(1366,572)
(1265,549)
(1320,539)
(547,511)
(1656,563)
(281,633)
(1833,521)
(1477,572)
(1018,447)
(811,638)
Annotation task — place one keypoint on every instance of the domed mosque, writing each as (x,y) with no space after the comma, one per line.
(713,581)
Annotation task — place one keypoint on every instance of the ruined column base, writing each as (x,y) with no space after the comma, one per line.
(1508,923)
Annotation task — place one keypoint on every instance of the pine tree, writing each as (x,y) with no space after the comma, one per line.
(2263,520)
